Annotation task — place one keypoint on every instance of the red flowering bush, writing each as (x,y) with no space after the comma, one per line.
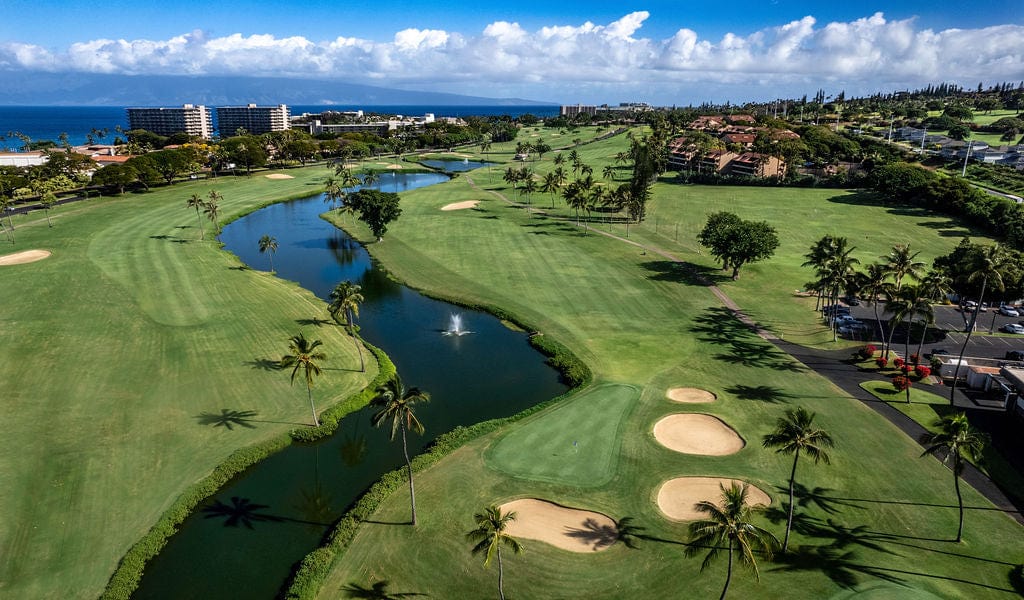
(867,351)
(914,358)
(922,371)
(898,362)
(901,383)
(881,361)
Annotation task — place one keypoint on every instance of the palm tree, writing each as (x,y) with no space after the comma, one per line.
(304,355)
(874,283)
(729,525)
(211,209)
(955,437)
(900,263)
(608,172)
(550,185)
(196,202)
(396,402)
(345,298)
(491,534)
(793,434)
(333,191)
(529,187)
(993,262)
(369,178)
(266,243)
(934,287)
(511,177)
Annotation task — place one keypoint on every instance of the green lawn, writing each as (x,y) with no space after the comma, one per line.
(114,350)
(878,514)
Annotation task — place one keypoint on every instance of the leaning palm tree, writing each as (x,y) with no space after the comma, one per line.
(370,178)
(900,263)
(268,243)
(491,534)
(957,439)
(729,525)
(992,264)
(874,283)
(212,210)
(196,202)
(345,298)
(793,434)
(396,404)
(304,356)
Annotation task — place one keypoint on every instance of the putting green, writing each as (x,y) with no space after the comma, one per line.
(579,439)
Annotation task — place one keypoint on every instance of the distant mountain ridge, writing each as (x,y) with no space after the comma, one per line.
(86,89)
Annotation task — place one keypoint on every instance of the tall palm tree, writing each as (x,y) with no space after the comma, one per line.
(992,263)
(958,439)
(396,404)
(345,298)
(550,185)
(529,187)
(305,357)
(269,243)
(901,263)
(212,210)
(874,282)
(370,177)
(511,176)
(935,286)
(333,191)
(793,434)
(196,202)
(729,525)
(491,534)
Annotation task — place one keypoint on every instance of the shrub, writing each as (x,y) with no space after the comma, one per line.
(881,361)
(914,358)
(898,362)
(868,351)
(901,383)
(922,371)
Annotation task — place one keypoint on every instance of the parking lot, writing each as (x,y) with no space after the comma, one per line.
(951,321)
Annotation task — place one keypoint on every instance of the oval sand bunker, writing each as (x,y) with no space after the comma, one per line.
(26,256)
(566,528)
(677,497)
(461,205)
(690,395)
(697,434)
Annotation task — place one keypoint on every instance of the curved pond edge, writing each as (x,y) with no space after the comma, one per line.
(311,571)
(125,579)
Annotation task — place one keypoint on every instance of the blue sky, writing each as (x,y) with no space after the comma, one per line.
(658,51)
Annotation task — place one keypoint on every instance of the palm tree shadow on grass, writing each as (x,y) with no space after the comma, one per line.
(721,326)
(378,591)
(763,393)
(315,321)
(264,364)
(229,419)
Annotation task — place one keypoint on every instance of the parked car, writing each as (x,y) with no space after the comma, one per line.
(1015,355)
(1009,311)
(971,306)
(1012,328)
(937,352)
(852,300)
(848,321)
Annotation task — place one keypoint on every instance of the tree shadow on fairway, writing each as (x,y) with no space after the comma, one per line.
(315,322)
(264,364)
(229,419)
(720,326)
(763,393)
(601,536)
(378,591)
(629,532)
(684,272)
(837,565)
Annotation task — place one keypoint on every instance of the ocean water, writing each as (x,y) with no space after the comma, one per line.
(49,122)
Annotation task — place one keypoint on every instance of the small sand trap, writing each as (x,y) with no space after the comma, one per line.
(394,166)
(690,395)
(461,205)
(566,528)
(677,497)
(21,258)
(278,176)
(697,434)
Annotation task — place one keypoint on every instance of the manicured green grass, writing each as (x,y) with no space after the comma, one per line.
(578,439)
(119,354)
(879,512)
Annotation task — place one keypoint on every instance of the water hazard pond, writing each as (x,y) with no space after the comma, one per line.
(246,540)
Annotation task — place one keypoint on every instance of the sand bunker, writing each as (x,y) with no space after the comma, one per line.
(677,497)
(278,176)
(461,205)
(565,528)
(394,166)
(20,258)
(697,434)
(690,395)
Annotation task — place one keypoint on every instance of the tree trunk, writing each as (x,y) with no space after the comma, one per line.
(959,498)
(408,467)
(202,230)
(920,345)
(501,576)
(48,223)
(789,519)
(309,393)
(271,262)
(735,272)
(970,330)
(359,347)
(728,573)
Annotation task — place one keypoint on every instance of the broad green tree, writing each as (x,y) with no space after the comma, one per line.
(306,358)
(955,439)
(490,535)
(376,208)
(268,244)
(729,525)
(345,299)
(396,404)
(793,434)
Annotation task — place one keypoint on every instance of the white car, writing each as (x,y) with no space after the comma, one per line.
(1009,311)
(1012,328)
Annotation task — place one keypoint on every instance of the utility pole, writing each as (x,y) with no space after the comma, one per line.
(967,156)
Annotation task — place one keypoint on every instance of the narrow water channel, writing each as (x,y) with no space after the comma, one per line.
(245,541)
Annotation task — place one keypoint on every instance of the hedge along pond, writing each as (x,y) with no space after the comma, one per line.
(244,541)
